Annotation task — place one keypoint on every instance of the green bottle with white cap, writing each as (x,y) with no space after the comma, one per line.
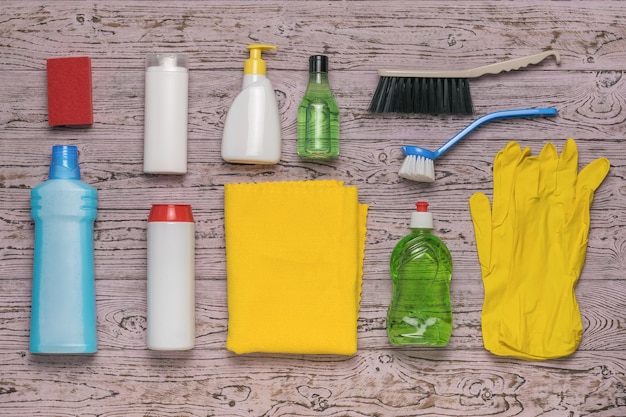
(421,269)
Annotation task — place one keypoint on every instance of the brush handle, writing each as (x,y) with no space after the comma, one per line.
(489,117)
(497,68)
(503,114)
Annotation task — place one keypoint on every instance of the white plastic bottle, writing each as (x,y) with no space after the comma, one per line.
(171,277)
(252,128)
(166,109)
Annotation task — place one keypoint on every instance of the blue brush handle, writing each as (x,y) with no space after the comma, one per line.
(503,114)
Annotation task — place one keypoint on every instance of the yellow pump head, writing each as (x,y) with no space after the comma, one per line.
(254,64)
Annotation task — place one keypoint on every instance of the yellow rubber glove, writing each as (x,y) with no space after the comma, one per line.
(540,222)
(496,225)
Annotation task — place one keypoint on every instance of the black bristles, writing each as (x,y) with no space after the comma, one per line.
(422,95)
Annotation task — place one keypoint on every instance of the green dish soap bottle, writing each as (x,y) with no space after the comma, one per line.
(421,269)
(318,114)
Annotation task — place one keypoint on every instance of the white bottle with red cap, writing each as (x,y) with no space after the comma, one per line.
(171,277)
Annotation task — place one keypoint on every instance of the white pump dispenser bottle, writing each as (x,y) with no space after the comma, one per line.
(252,128)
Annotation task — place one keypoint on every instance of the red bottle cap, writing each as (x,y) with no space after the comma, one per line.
(171,213)
(421,218)
(422,206)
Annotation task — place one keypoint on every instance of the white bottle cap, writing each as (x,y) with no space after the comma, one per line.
(421,219)
(167,62)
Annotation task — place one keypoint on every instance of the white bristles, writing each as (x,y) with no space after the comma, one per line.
(418,168)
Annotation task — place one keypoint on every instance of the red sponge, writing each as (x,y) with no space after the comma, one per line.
(69,91)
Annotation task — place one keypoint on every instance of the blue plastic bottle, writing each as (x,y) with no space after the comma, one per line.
(63,317)
(421,270)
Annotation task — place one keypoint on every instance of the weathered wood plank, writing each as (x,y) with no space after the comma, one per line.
(360,34)
(386,382)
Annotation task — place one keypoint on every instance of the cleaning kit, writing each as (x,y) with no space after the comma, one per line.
(295,249)
(252,129)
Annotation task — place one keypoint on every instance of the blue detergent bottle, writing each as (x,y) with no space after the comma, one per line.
(63,316)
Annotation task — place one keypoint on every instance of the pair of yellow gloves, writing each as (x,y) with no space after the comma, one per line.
(531,243)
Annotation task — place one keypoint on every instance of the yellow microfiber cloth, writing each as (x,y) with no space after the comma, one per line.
(294,256)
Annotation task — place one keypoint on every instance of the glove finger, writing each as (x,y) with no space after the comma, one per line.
(505,169)
(576,232)
(502,171)
(567,172)
(593,174)
(526,185)
(548,163)
(481,218)
(577,227)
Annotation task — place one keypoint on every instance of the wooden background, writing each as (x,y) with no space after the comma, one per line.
(126,379)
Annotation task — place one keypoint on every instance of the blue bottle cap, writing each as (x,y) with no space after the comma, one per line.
(64,163)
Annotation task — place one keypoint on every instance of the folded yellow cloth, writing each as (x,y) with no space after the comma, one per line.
(294,256)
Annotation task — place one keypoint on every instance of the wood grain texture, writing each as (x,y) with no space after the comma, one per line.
(126,379)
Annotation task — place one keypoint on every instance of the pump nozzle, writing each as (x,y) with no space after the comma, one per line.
(254,64)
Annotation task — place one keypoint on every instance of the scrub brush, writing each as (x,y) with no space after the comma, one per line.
(438,91)
(419,162)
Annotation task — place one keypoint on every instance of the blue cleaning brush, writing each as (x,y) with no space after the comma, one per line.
(419,162)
